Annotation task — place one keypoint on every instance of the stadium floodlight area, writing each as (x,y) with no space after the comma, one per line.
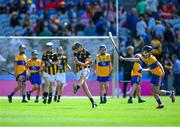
(10,44)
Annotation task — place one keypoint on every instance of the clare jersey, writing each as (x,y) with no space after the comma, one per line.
(62,66)
(34,66)
(137,70)
(83,57)
(48,67)
(20,64)
(103,65)
(152,64)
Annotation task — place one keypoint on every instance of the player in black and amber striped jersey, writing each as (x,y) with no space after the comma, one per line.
(50,71)
(83,60)
(61,73)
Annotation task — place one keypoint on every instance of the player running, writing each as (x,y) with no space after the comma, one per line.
(20,72)
(103,69)
(34,68)
(61,73)
(136,75)
(82,59)
(50,70)
(157,73)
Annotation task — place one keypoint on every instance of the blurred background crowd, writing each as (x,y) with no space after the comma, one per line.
(141,22)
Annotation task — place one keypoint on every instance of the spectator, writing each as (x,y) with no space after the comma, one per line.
(159,28)
(157,47)
(14,20)
(142,7)
(153,6)
(168,34)
(132,20)
(90,30)
(168,65)
(138,44)
(27,22)
(127,69)
(32,6)
(141,27)
(176,71)
(177,46)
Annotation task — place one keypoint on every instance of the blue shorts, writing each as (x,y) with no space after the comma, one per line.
(136,80)
(103,79)
(156,80)
(35,78)
(22,74)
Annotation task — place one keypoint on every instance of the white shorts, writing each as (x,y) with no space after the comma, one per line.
(49,77)
(85,72)
(61,77)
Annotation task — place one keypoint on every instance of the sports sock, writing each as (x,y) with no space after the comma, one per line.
(130,98)
(168,93)
(37,97)
(12,94)
(45,94)
(30,92)
(23,97)
(159,101)
(101,99)
(92,101)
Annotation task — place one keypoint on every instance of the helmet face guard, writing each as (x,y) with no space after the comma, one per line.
(34,54)
(76,47)
(49,46)
(147,50)
(22,49)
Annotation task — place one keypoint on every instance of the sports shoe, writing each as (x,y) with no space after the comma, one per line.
(44,101)
(28,95)
(49,100)
(58,101)
(160,106)
(141,101)
(10,98)
(55,98)
(105,99)
(24,101)
(172,96)
(130,101)
(94,105)
(75,88)
(36,101)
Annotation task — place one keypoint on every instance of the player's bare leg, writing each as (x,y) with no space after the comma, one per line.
(155,92)
(57,90)
(77,85)
(38,89)
(171,94)
(50,92)
(17,88)
(28,93)
(101,92)
(140,100)
(88,93)
(23,91)
(132,93)
(60,90)
(46,90)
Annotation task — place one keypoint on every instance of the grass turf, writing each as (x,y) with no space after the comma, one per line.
(78,112)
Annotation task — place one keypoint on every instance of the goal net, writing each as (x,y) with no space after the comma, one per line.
(9,49)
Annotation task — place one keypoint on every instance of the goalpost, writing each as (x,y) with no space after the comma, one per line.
(9,48)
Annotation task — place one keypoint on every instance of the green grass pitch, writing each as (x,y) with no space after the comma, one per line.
(78,112)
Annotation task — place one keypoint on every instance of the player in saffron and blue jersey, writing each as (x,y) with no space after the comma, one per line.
(103,69)
(136,75)
(20,71)
(34,66)
(157,73)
